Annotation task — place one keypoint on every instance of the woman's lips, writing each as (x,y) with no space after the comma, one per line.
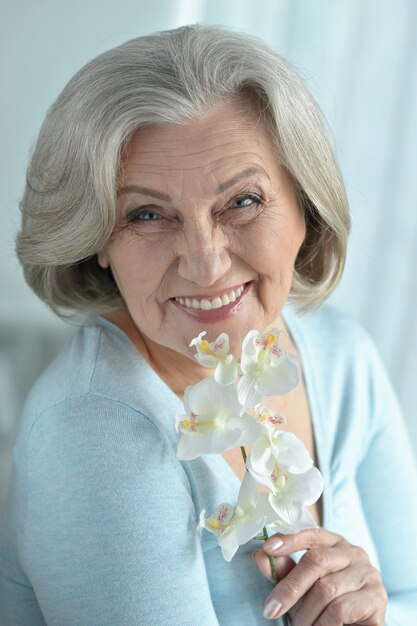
(215,315)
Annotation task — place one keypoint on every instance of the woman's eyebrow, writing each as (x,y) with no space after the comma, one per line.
(253,169)
(159,195)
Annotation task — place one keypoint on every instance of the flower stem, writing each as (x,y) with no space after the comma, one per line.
(285,617)
(271,559)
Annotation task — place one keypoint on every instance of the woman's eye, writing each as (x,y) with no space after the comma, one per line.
(241,210)
(143,215)
(246,201)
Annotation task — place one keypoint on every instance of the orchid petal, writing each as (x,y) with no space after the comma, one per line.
(205,523)
(248,494)
(203,397)
(206,360)
(248,347)
(229,553)
(261,456)
(261,479)
(226,372)
(242,532)
(270,419)
(226,439)
(289,511)
(197,340)
(221,345)
(192,445)
(306,521)
(249,425)
(247,390)
(224,513)
(281,379)
(305,488)
(265,509)
(291,454)
(218,523)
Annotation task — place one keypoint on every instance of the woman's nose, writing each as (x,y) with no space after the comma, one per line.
(203,256)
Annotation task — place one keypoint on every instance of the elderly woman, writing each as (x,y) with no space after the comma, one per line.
(183,182)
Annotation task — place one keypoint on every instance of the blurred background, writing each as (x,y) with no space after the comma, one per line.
(359,59)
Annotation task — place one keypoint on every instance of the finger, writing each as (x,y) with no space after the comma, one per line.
(325,591)
(283,565)
(315,564)
(363,608)
(303,540)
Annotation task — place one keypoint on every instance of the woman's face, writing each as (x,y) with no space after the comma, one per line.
(208,230)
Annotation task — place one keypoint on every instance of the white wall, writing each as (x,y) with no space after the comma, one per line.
(359,59)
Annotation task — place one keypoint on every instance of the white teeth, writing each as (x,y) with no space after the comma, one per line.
(205,305)
(216,303)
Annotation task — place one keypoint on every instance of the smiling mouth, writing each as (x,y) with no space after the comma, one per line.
(215,303)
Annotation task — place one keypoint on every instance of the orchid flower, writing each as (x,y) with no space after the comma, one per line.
(289,492)
(268,368)
(214,421)
(277,447)
(268,416)
(280,526)
(277,525)
(216,355)
(236,526)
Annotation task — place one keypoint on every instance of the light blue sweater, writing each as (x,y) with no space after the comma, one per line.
(100,527)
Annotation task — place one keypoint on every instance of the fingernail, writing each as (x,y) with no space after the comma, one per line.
(271,608)
(275,543)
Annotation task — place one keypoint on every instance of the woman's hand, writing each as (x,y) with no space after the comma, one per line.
(333,584)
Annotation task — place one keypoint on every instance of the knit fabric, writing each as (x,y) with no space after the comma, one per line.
(100,525)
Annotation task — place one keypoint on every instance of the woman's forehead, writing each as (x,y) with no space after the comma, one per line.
(216,147)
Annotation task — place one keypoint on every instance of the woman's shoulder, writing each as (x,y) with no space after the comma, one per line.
(99,373)
(97,420)
(330,335)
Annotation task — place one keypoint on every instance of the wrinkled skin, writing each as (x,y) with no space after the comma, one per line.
(333,584)
(211,234)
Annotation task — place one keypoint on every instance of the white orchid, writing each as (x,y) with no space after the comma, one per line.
(268,368)
(280,526)
(268,416)
(277,447)
(216,355)
(236,526)
(214,421)
(289,493)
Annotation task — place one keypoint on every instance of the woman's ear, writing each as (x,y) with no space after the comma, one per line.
(103,259)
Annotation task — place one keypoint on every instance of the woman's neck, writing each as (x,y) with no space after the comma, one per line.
(175,369)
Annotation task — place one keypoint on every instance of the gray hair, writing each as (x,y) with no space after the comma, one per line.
(69,203)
